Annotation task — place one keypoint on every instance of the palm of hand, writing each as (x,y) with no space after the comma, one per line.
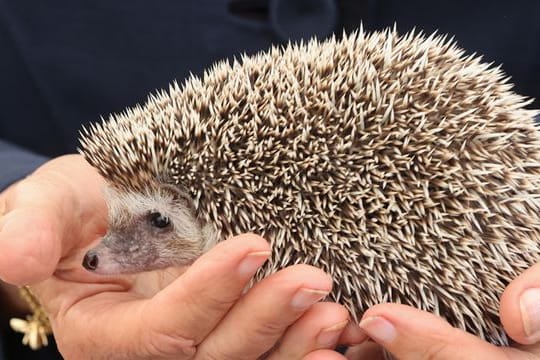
(58,212)
(69,204)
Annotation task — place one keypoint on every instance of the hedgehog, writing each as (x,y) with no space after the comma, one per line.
(404,167)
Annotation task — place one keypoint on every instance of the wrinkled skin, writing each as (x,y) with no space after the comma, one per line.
(55,215)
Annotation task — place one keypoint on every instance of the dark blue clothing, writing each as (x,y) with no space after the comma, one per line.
(66,63)
(15,162)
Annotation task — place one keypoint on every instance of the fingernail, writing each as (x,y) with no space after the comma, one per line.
(530,312)
(252,262)
(330,335)
(305,297)
(379,329)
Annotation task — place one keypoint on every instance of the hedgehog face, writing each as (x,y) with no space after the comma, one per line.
(149,230)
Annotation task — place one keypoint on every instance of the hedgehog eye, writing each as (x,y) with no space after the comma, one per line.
(158,220)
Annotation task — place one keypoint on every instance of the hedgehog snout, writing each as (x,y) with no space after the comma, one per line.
(102,259)
(90,261)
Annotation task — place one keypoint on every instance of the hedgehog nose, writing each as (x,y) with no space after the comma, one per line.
(90,261)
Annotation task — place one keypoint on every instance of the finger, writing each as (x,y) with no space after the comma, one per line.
(194,303)
(409,333)
(324,355)
(30,246)
(319,328)
(45,218)
(367,350)
(263,314)
(352,335)
(520,307)
(175,320)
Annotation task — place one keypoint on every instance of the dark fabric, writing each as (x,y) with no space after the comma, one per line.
(13,349)
(16,163)
(66,63)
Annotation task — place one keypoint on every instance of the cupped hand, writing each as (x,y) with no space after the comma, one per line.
(52,217)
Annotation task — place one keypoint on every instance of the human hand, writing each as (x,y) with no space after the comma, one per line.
(413,334)
(52,218)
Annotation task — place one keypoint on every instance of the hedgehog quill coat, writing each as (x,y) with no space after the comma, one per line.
(400,165)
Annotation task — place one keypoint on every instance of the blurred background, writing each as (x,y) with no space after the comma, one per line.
(66,63)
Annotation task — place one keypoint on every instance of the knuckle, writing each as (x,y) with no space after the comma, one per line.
(199,298)
(268,330)
(224,349)
(211,301)
(435,351)
(163,345)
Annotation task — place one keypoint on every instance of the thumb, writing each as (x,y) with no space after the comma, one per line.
(30,245)
(520,307)
(48,216)
(409,333)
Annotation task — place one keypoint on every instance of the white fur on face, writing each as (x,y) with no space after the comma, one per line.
(124,205)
